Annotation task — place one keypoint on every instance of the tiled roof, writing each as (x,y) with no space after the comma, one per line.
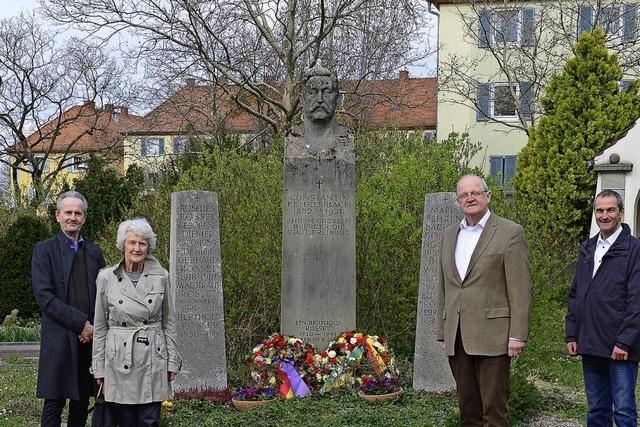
(402,103)
(83,128)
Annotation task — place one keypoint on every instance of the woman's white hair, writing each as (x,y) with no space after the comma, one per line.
(139,226)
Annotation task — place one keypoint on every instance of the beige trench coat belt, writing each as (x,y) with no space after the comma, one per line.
(132,336)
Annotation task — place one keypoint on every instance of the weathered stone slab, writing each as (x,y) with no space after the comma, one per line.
(196,272)
(430,368)
(318,299)
(318,266)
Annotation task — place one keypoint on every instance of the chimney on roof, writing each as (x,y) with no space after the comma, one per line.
(191,82)
(124,111)
(89,103)
(108,108)
(404,74)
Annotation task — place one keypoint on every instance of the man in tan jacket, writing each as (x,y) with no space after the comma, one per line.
(483,306)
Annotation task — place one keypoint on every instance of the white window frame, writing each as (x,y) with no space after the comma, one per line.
(184,142)
(38,159)
(498,16)
(75,164)
(492,101)
(618,10)
(152,146)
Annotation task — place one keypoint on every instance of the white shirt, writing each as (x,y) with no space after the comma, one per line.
(602,247)
(467,240)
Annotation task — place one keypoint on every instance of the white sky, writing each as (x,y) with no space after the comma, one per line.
(10,8)
(13,7)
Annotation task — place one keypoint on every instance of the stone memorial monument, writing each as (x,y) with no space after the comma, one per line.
(430,368)
(318,298)
(196,273)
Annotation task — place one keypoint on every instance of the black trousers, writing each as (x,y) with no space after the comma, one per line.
(139,415)
(52,412)
(78,409)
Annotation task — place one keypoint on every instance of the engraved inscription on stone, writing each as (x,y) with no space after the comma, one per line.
(196,271)
(431,370)
(318,299)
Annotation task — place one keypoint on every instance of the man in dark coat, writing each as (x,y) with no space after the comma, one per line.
(603,320)
(63,271)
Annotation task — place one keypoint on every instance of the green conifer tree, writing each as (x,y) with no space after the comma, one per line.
(584,110)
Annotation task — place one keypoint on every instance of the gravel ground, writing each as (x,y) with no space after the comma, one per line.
(547,421)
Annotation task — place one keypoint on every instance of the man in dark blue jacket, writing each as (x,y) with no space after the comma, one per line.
(63,273)
(603,321)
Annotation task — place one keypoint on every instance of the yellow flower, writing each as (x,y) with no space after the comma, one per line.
(272,380)
(292,340)
(267,361)
(167,404)
(318,358)
(359,380)
(369,341)
(341,340)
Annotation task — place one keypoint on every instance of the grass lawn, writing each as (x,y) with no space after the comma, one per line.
(19,407)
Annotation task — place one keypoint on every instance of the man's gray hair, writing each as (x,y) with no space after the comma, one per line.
(614,194)
(139,226)
(485,187)
(321,72)
(74,194)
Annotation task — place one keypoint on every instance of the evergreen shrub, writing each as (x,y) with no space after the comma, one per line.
(17,245)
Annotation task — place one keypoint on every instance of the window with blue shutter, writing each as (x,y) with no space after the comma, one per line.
(624,85)
(585,19)
(630,22)
(526,100)
(179,144)
(503,169)
(484,28)
(528,36)
(483,102)
(143,146)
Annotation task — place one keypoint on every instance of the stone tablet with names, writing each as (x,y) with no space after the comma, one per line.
(431,370)
(318,299)
(196,273)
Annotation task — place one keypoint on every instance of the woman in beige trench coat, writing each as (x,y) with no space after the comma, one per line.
(135,356)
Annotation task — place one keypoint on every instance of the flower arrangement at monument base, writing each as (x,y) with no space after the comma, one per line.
(354,360)
(251,397)
(378,390)
(282,362)
(354,357)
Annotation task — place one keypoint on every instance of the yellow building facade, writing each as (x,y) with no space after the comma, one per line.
(496,57)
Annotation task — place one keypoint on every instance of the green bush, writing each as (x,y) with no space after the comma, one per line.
(394,173)
(15,264)
(109,195)
(525,400)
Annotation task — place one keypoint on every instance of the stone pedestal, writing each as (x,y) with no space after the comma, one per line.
(318,251)
(431,369)
(196,272)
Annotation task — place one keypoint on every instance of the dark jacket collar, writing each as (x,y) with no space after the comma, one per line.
(621,245)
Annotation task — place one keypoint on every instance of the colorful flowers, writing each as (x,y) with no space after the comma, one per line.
(255,393)
(294,368)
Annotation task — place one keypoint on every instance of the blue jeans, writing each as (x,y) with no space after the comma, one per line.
(610,388)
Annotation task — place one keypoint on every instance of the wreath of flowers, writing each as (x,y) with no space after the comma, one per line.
(352,360)
(279,360)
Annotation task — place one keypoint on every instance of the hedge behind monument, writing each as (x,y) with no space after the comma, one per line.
(394,172)
(15,264)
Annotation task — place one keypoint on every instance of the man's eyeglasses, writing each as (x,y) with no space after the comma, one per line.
(465,196)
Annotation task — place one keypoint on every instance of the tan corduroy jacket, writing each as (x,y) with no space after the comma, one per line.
(492,303)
